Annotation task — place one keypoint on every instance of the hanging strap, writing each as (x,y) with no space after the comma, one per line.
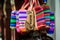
(4,7)
(24,6)
(36,3)
(13,5)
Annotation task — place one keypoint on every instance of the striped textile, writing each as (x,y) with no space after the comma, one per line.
(21,17)
(39,16)
(13,19)
(52,19)
(47,15)
(49,18)
(52,23)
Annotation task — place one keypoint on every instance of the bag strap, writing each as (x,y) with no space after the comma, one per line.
(13,4)
(36,3)
(24,6)
(4,7)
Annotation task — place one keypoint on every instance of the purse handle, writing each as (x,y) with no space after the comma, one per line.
(30,3)
(24,6)
(36,2)
(33,3)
